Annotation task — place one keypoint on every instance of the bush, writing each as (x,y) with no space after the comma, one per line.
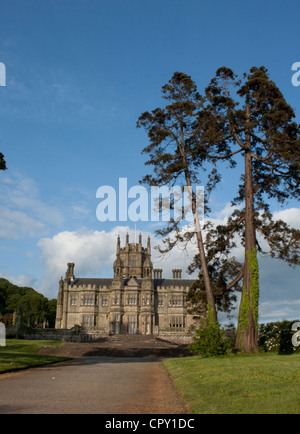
(7,319)
(277,337)
(209,339)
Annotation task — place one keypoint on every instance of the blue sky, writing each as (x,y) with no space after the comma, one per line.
(78,75)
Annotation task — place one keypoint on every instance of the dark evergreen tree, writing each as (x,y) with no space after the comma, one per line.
(225,271)
(177,153)
(250,117)
(33,306)
(2,162)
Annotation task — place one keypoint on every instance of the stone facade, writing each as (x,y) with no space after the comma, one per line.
(137,300)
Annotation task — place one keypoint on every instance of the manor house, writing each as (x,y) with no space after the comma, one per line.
(137,300)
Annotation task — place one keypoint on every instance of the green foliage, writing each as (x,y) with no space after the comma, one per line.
(222,271)
(254,286)
(256,123)
(209,340)
(249,300)
(177,152)
(276,337)
(174,152)
(31,304)
(7,319)
(2,162)
(243,312)
(254,109)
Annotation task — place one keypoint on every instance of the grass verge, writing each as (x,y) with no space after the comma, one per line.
(246,384)
(23,354)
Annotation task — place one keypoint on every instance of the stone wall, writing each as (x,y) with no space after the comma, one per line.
(83,334)
(14,332)
(73,335)
(175,337)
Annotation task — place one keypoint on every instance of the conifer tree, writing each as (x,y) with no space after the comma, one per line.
(250,117)
(177,155)
(2,162)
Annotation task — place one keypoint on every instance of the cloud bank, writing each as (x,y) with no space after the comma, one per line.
(94,252)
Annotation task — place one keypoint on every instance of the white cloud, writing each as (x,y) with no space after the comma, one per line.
(291,216)
(24,212)
(221,216)
(21,280)
(177,258)
(279,310)
(94,252)
(22,193)
(15,225)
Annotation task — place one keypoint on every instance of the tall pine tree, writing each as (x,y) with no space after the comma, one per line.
(2,162)
(252,118)
(177,156)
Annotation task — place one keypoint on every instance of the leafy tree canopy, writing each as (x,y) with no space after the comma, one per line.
(28,301)
(2,162)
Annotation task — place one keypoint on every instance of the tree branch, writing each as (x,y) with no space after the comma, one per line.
(236,280)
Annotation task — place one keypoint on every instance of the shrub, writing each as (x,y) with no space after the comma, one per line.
(209,340)
(7,319)
(277,337)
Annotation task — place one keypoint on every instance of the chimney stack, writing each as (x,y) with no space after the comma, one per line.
(157,272)
(177,273)
(70,271)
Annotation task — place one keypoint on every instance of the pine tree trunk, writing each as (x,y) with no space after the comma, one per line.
(200,245)
(206,278)
(247,333)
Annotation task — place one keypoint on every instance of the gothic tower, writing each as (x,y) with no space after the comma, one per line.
(133,260)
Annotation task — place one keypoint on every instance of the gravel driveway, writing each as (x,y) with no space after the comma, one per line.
(101,385)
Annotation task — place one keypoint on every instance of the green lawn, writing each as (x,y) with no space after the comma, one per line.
(262,383)
(21,354)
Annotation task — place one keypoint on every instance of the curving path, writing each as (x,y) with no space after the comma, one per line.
(101,385)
